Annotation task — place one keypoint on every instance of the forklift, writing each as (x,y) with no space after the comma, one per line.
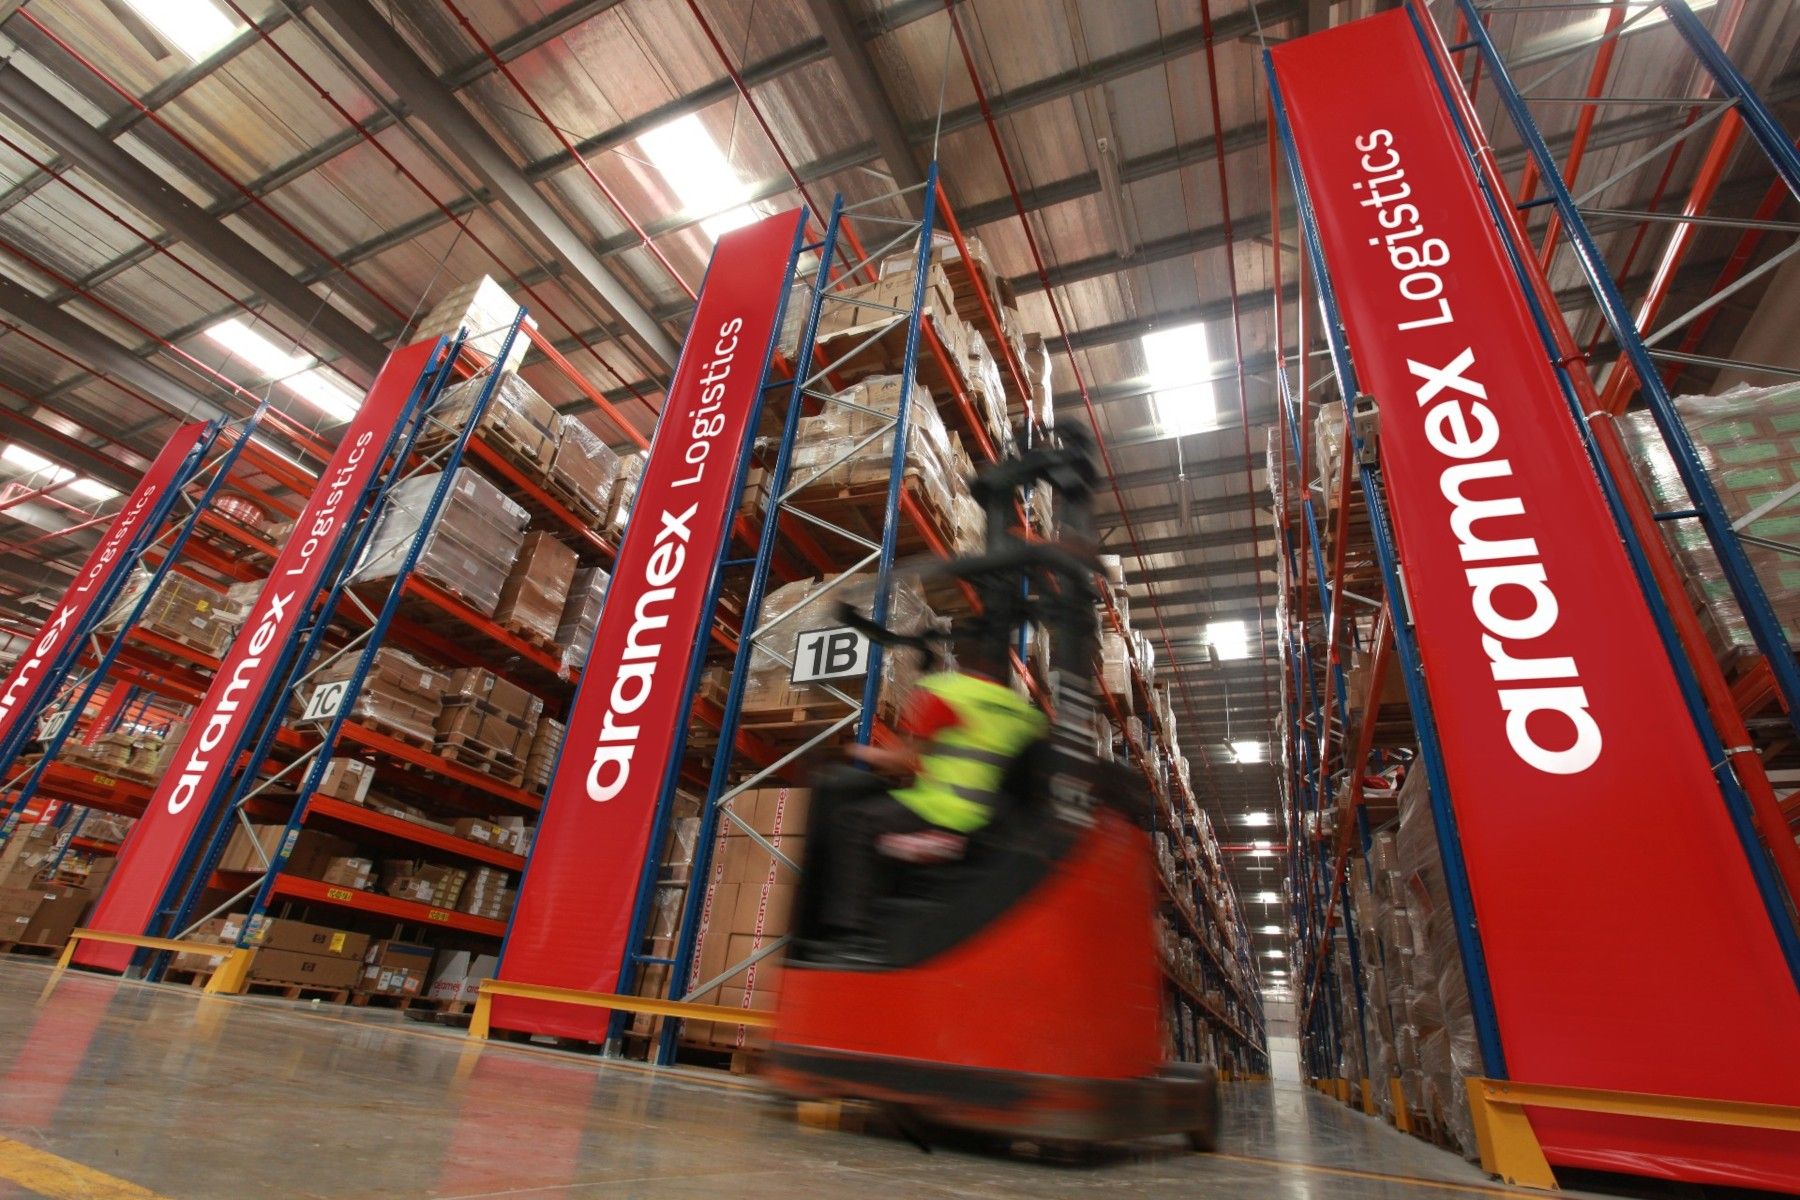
(1015,989)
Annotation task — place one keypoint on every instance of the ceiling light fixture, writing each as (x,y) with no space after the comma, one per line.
(1248,752)
(1179,367)
(1228,639)
(1257,818)
(1268,898)
(689,161)
(36,464)
(1274,953)
(1271,929)
(269,360)
(322,388)
(194,27)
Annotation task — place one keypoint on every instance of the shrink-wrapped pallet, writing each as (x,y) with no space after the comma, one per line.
(472,543)
(517,422)
(581,615)
(1745,441)
(806,604)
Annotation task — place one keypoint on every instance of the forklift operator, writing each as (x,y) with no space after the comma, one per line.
(960,732)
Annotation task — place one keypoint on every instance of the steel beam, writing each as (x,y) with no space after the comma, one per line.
(100,354)
(436,106)
(58,126)
(863,83)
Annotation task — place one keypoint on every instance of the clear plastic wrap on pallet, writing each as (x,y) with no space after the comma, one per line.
(1443,991)
(988,392)
(1328,439)
(968,524)
(581,615)
(1037,366)
(485,311)
(400,695)
(1745,439)
(584,470)
(471,546)
(517,420)
(804,604)
(618,508)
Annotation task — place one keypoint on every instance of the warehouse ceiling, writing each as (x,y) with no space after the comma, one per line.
(323,171)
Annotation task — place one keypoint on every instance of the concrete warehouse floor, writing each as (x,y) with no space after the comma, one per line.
(111,1090)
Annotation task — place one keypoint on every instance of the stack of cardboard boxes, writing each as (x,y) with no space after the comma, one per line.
(1746,441)
(584,471)
(396,968)
(471,547)
(488,723)
(542,758)
(400,695)
(749,904)
(581,615)
(484,313)
(301,954)
(182,610)
(517,422)
(618,509)
(537,589)
(808,604)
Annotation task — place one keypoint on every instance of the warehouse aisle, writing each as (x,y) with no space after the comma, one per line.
(124,1090)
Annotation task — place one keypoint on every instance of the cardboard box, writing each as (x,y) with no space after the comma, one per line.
(302,938)
(307,970)
(460,974)
(772,903)
(200,958)
(241,851)
(347,779)
(349,872)
(532,599)
(392,981)
(479,683)
(584,470)
(475,829)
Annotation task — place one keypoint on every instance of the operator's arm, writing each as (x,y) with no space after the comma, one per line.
(923,718)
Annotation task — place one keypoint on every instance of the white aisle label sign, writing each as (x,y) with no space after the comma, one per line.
(830,654)
(325,701)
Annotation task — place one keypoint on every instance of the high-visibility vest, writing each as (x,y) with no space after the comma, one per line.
(960,770)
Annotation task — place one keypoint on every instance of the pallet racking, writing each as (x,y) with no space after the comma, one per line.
(208,526)
(1343,592)
(853,534)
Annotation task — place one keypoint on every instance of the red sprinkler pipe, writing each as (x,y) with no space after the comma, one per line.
(1584,128)
(987,114)
(156,119)
(406,173)
(482,44)
(1621,383)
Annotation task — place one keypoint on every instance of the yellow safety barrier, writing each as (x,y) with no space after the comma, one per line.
(228,977)
(1509,1147)
(1368,1097)
(1397,1099)
(479,1028)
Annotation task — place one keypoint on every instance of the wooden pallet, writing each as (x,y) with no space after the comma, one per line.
(188,976)
(296,991)
(534,637)
(574,501)
(30,949)
(460,748)
(424,1004)
(533,457)
(411,737)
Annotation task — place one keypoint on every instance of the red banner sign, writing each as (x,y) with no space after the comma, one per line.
(23,689)
(221,726)
(575,903)
(1625,938)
